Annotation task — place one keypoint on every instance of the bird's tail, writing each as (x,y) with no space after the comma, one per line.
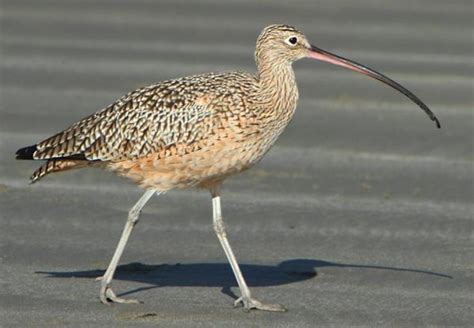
(56,165)
(52,165)
(26,152)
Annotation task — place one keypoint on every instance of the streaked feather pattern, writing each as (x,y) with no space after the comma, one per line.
(183,132)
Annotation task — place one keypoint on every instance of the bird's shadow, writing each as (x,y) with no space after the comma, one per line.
(220,274)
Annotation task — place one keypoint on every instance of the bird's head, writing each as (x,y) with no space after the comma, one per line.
(283,44)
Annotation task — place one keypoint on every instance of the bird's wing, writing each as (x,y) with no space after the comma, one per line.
(140,123)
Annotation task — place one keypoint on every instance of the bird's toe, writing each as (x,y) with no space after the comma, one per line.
(107,296)
(249,303)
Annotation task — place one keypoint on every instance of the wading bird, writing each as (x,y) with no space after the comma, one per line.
(193,132)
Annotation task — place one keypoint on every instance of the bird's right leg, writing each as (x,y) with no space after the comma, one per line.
(107,295)
(245,299)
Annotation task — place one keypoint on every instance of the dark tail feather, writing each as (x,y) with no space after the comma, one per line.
(26,152)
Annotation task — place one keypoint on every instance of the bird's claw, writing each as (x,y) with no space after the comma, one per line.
(249,303)
(108,296)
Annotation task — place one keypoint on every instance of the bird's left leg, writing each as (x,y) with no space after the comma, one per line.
(106,293)
(245,299)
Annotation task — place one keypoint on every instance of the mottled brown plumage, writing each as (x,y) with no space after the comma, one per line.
(193,131)
(183,132)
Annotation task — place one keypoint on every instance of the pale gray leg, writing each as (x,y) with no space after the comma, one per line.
(246,299)
(106,293)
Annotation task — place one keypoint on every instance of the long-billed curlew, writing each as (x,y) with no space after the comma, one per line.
(193,132)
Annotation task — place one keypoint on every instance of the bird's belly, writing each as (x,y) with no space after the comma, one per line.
(188,169)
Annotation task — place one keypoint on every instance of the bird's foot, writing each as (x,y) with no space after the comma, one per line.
(249,303)
(108,296)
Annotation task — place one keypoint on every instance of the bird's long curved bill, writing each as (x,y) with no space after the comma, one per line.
(323,55)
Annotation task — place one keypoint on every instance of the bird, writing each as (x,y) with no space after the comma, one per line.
(194,132)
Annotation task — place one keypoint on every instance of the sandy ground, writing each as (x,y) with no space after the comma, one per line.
(362,214)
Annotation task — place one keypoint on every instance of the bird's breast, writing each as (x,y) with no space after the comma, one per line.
(238,137)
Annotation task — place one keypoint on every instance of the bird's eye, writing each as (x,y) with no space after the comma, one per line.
(292,40)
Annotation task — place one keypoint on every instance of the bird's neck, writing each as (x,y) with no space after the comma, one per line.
(278,89)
